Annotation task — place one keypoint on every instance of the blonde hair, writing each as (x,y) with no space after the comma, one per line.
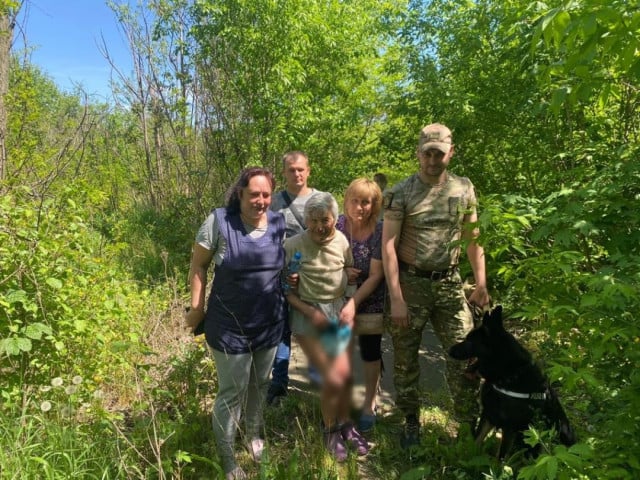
(365,188)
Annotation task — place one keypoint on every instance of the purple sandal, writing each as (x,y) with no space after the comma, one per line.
(351,436)
(333,441)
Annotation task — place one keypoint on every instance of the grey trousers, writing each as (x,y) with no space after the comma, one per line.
(243,380)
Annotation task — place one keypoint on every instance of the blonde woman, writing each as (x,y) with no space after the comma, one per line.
(359,223)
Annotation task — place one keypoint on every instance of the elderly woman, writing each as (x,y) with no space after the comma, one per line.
(244,240)
(362,206)
(318,317)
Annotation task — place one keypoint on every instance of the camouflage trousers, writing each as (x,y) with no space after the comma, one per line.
(444,305)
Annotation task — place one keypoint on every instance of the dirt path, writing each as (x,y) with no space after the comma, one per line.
(431,364)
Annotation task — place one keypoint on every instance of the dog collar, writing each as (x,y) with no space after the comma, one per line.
(526,396)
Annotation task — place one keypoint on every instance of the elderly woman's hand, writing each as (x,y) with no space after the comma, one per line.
(353,274)
(293,279)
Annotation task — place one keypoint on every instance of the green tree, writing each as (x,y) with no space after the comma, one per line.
(295,74)
(543,101)
(8,11)
(161,94)
(46,130)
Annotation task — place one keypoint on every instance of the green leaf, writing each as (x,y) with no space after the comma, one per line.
(80,325)
(552,467)
(16,296)
(24,344)
(417,473)
(36,330)
(54,283)
(15,345)
(120,346)
(560,23)
(558,98)
(7,347)
(581,449)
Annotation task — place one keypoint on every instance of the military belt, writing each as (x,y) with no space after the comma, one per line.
(434,275)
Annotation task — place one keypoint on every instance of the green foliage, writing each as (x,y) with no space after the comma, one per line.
(543,100)
(555,461)
(45,130)
(154,245)
(465,62)
(66,308)
(558,263)
(37,447)
(593,47)
(306,75)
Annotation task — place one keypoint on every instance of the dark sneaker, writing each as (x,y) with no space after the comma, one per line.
(366,423)
(275,394)
(411,433)
(334,443)
(352,437)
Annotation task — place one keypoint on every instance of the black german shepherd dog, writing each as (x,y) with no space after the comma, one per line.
(514,392)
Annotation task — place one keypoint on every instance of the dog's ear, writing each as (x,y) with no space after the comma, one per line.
(493,319)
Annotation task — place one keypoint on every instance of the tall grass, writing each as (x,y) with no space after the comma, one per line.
(164,431)
(39,447)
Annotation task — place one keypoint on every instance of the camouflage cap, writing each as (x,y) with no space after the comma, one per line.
(436,136)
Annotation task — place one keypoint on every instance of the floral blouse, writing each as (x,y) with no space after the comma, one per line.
(363,252)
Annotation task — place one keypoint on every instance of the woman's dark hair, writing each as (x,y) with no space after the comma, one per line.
(233,194)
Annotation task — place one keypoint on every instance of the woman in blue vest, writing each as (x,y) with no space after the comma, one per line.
(245,313)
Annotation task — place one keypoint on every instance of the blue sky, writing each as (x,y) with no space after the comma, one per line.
(65,35)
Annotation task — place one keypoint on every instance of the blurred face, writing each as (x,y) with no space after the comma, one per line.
(321,227)
(359,208)
(433,162)
(255,198)
(296,173)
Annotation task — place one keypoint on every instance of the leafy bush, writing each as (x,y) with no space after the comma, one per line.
(567,266)
(68,308)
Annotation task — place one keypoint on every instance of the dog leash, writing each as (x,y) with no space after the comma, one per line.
(477,312)
(525,396)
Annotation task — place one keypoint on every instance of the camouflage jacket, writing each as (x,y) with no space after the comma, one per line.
(432,217)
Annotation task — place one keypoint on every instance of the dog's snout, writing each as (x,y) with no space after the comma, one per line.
(461,351)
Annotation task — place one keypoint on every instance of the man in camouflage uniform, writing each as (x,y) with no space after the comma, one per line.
(426,217)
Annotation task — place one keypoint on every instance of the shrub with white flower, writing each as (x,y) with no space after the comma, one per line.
(69,398)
